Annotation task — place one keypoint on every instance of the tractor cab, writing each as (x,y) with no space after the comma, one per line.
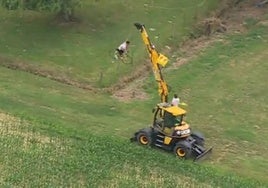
(169,120)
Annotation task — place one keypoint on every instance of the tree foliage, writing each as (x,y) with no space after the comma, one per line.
(64,7)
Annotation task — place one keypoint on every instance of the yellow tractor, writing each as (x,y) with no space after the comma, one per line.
(168,131)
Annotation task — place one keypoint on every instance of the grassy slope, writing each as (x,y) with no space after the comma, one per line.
(41,160)
(227,94)
(86,158)
(82,51)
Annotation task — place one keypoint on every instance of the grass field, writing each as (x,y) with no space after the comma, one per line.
(83,51)
(41,160)
(59,135)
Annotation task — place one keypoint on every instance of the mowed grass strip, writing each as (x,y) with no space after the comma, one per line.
(40,160)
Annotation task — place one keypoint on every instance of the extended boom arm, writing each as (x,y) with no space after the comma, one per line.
(157,60)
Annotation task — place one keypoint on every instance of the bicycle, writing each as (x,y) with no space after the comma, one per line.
(124,58)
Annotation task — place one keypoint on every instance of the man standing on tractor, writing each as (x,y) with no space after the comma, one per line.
(175,101)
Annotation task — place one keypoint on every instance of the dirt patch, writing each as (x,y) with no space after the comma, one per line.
(133,91)
(130,87)
(229,20)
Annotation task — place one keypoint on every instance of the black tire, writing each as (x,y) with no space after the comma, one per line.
(183,150)
(144,138)
(128,59)
(200,139)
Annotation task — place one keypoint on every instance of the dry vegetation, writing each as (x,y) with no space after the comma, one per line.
(14,127)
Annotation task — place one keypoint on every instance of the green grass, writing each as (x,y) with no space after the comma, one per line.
(41,160)
(82,50)
(227,100)
(69,137)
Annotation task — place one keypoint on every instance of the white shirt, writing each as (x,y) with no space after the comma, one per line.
(123,47)
(175,101)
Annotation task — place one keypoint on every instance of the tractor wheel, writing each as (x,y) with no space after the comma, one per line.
(144,138)
(183,150)
(200,139)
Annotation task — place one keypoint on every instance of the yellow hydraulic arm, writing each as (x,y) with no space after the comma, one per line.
(158,60)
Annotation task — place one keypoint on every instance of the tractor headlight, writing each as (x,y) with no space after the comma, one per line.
(183,132)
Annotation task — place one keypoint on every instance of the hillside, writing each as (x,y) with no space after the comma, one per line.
(67,112)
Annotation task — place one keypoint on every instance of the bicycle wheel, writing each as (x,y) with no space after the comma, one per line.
(114,56)
(128,58)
